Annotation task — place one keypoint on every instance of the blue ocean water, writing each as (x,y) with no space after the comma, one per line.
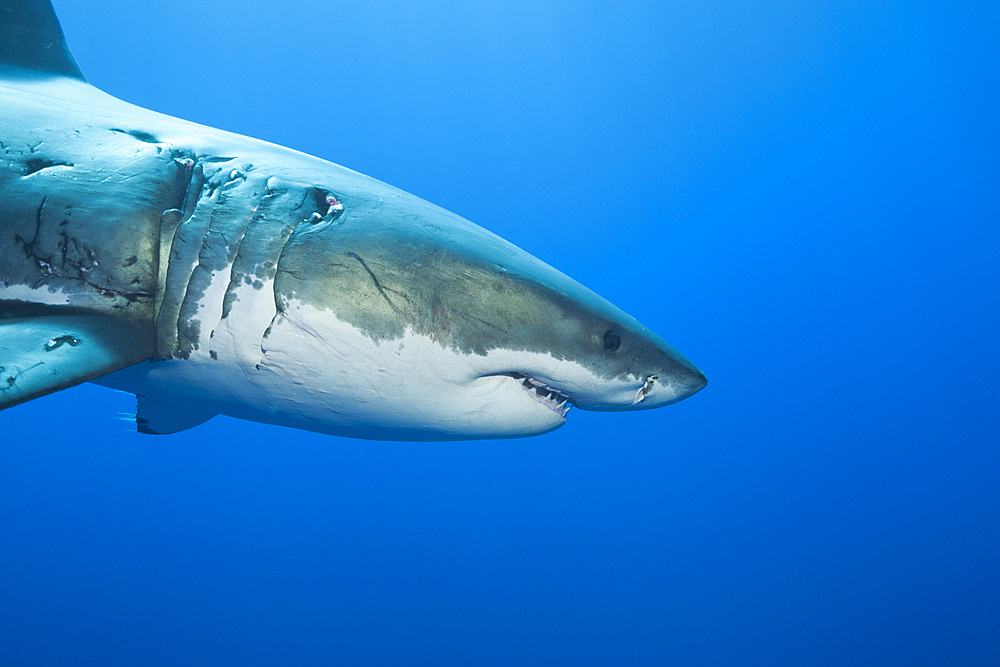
(802,197)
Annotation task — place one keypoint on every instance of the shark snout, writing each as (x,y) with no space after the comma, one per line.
(660,389)
(686,383)
(681,380)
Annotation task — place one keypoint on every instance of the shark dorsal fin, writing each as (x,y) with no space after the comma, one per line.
(32,42)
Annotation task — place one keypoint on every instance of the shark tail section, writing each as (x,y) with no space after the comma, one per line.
(32,44)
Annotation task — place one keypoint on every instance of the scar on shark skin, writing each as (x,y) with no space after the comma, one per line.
(378,285)
(57,342)
(36,164)
(10,380)
(144,137)
(46,264)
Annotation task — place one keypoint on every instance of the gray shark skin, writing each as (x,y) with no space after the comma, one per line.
(210,273)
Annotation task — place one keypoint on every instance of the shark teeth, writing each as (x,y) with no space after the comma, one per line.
(550,397)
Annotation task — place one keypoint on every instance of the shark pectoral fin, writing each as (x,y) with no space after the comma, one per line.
(40,355)
(155,416)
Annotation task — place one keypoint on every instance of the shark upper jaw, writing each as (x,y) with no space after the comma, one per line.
(555,400)
(578,388)
(610,396)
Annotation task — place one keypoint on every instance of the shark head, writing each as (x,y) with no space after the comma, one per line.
(404,315)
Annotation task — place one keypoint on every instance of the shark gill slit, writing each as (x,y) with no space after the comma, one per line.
(256,263)
(190,182)
(236,232)
(181,262)
(298,212)
(201,308)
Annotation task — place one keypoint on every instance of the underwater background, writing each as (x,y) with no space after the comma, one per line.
(801,197)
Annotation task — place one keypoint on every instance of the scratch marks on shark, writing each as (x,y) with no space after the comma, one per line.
(59,254)
(144,137)
(378,285)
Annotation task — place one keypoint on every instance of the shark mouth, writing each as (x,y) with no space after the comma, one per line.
(550,397)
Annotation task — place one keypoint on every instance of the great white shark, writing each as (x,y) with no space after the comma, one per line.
(211,273)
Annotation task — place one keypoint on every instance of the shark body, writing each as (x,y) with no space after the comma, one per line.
(211,273)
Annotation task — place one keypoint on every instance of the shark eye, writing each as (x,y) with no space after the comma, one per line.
(612,340)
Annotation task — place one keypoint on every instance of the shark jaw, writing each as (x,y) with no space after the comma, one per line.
(550,397)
